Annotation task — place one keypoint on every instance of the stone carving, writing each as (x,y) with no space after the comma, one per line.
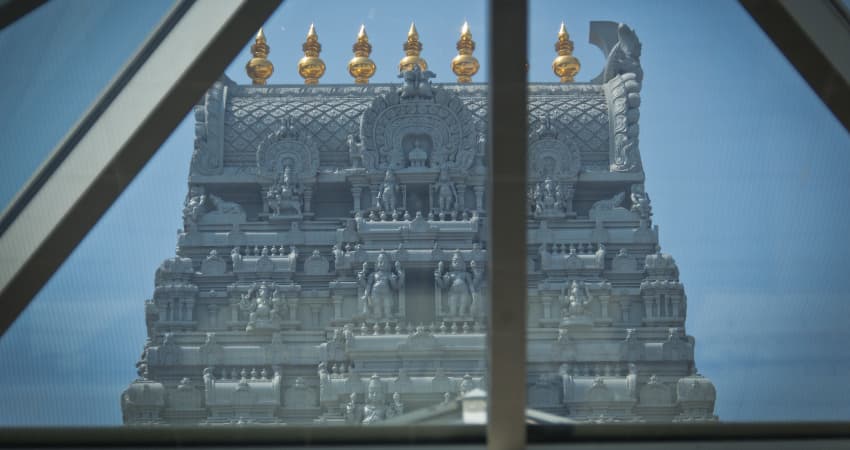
(168,352)
(380,287)
(208,155)
(300,396)
(551,200)
(352,411)
(375,409)
(355,151)
(396,407)
(417,83)
(213,264)
(211,352)
(655,393)
(387,200)
(288,146)
(445,192)
(193,207)
(402,122)
(463,286)
(207,208)
(624,262)
(316,264)
(610,209)
(640,202)
(625,93)
(265,308)
(284,196)
(552,156)
(624,56)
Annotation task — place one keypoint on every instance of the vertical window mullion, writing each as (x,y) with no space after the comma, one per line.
(506,207)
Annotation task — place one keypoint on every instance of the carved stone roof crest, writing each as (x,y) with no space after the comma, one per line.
(416,116)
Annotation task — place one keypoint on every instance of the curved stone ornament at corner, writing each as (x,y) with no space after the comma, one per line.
(208,154)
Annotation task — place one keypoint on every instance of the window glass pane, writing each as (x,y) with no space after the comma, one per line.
(744,166)
(331,246)
(56,60)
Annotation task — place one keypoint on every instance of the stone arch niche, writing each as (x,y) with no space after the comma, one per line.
(288,146)
(287,194)
(553,169)
(393,124)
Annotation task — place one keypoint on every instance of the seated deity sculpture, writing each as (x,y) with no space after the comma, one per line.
(462,286)
(640,202)
(380,286)
(387,195)
(417,155)
(446,192)
(396,407)
(283,196)
(352,411)
(550,199)
(265,309)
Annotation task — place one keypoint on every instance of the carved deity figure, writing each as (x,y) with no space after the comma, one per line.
(387,195)
(417,83)
(355,152)
(577,299)
(375,409)
(446,192)
(263,306)
(549,198)
(380,286)
(640,202)
(352,411)
(224,207)
(194,207)
(396,407)
(462,285)
(284,194)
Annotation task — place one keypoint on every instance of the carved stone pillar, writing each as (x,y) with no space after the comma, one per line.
(604,301)
(479,198)
(308,199)
(337,301)
(316,311)
(163,312)
(293,309)
(373,194)
(212,310)
(190,310)
(356,192)
(234,312)
(547,306)
(625,308)
(461,195)
(676,305)
(647,303)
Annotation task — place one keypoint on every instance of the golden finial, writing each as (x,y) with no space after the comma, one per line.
(464,65)
(259,68)
(565,65)
(311,67)
(411,49)
(361,67)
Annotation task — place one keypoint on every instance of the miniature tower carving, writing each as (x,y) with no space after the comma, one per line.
(412,48)
(259,68)
(464,65)
(361,67)
(311,67)
(565,65)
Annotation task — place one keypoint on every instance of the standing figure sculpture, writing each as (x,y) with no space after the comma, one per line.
(446,192)
(387,196)
(375,409)
(460,284)
(380,286)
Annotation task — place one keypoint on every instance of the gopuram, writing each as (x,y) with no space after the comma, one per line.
(332,267)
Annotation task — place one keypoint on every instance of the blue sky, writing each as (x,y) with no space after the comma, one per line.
(747,171)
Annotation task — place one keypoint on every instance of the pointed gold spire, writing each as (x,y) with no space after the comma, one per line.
(464,65)
(412,48)
(259,68)
(361,67)
(565,65)
(311,67)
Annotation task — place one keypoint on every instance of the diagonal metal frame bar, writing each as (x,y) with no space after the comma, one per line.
(13,10)
(508,112)
(815,37)
(99,157)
